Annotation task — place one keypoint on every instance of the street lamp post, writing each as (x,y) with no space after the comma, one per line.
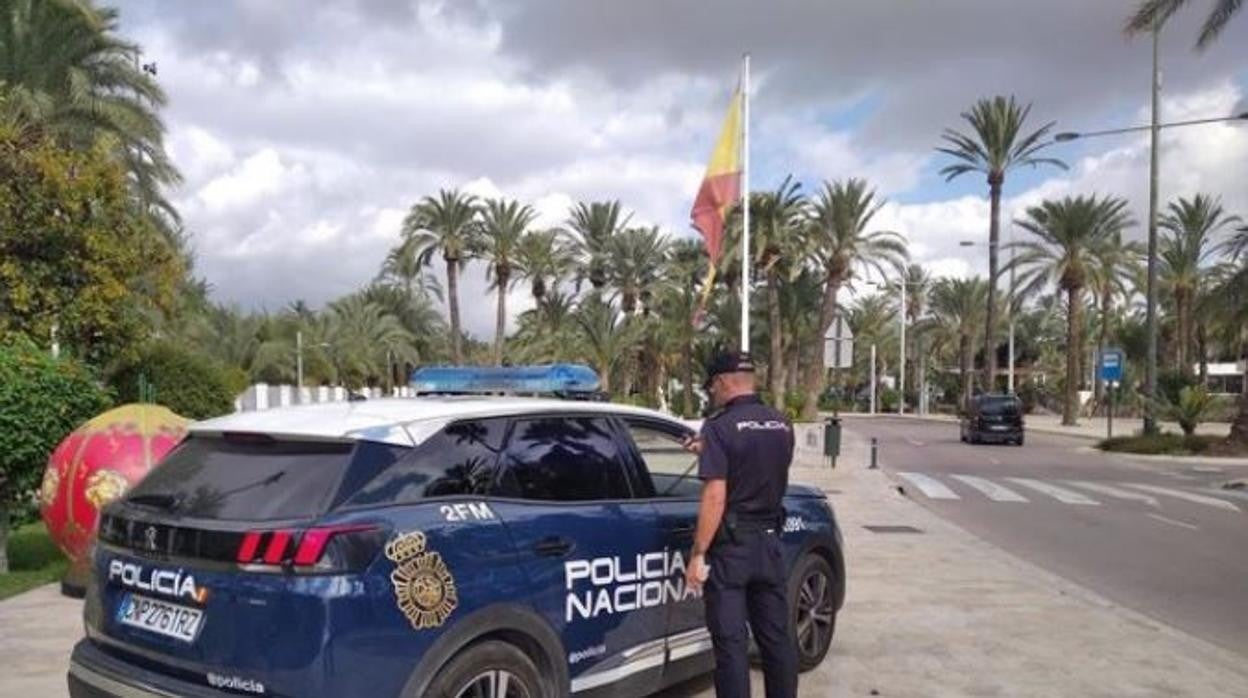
(902,284)
(1150,368)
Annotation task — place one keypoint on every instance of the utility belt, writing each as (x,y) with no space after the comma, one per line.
(737,526)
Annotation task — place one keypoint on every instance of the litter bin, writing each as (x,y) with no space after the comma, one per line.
(832,438)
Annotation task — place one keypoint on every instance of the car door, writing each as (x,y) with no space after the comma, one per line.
(592,552)
(676,492)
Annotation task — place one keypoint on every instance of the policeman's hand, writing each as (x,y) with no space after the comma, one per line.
(693,444)
(696,572)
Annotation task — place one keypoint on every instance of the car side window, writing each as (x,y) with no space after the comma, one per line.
(460,459)
(563,459)
(660,449)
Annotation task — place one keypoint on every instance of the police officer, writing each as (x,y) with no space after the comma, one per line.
(744,452)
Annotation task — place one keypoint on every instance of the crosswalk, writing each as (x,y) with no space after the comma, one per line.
(1022,490)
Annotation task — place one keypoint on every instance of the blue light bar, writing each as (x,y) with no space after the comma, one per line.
(548,379)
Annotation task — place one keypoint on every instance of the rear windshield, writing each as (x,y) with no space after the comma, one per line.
(1000,405)
(215,478)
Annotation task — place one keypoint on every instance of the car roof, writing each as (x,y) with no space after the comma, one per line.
(405,421)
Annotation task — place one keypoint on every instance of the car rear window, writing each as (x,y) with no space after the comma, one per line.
(995,406)
(255,479)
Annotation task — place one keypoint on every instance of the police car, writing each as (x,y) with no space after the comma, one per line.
(446,545)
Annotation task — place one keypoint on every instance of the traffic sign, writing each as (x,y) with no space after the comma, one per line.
(1110,365)
(838,345)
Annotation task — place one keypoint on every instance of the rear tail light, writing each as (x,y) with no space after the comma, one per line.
(321,550)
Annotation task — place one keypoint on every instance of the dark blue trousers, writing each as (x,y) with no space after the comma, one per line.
(747,588)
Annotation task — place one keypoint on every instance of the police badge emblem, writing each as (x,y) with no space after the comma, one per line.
(423,586)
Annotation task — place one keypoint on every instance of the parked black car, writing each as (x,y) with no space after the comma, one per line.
(993,418)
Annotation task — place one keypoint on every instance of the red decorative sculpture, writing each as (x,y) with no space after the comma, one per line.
(97,463)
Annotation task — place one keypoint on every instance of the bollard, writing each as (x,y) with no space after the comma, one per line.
(875,448)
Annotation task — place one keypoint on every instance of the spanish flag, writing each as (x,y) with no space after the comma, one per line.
(721,187)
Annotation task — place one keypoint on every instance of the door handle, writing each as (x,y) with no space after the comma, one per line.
(681,528)
(553,547)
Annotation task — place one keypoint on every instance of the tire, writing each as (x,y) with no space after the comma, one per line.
(1019,442)
(812,610)
(483,669)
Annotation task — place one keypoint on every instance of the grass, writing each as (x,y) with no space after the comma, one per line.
(34,560)
(1161,444)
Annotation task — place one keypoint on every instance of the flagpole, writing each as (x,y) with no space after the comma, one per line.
(745,206)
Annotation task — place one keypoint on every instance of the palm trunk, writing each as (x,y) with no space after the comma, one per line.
(775,372)
(990,320)
(1202,351)
(452,292)
(500,323)
(1102,337)
(1074,330)
(1184,334)
(794,362)
(814,369)
(964,368)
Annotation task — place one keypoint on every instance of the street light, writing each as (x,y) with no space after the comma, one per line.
(901,402)
(1075,135)
(1150,367)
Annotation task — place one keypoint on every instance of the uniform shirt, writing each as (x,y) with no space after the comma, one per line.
(750,445)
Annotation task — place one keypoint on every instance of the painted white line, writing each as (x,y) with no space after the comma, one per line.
(931,487)
(1061,494)
(1188,496)
(994,461)
(1101,488)
(995,492)
(1184,524)
(912,442)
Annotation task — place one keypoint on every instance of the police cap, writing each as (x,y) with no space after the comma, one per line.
(730,361)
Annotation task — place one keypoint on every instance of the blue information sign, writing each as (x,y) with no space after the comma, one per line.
(1110,365)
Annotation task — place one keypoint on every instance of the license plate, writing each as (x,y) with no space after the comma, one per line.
(160,617)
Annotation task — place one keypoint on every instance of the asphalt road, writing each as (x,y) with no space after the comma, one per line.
(1157,537)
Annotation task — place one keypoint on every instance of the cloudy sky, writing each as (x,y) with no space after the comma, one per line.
(305,130)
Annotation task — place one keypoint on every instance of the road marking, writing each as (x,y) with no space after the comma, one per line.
(912,442)
(931,487)
(1184,524)
(995,492)
(1189,496)
(994,461)
(1101,488)
(1061,494)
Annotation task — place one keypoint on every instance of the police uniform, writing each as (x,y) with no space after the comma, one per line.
(750,446)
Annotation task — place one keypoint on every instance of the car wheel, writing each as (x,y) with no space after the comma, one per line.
(812,610)
(1019,442)
(488,670)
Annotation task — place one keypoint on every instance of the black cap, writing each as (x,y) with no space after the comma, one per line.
(731,361)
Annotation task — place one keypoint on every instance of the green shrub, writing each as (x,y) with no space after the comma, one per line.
(1171,383)
(1159,444)
(1192,407)
(192,385)
(41,400)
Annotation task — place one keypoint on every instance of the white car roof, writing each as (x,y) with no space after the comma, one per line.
(404,421)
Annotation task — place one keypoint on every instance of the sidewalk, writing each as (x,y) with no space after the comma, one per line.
(1092,428)
(942,613)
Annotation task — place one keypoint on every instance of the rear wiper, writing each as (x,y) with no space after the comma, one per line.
(164,502)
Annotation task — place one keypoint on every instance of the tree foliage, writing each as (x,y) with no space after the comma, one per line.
(191,384)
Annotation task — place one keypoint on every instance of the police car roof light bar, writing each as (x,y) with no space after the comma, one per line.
(556,379)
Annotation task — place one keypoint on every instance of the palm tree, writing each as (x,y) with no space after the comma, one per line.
(958,307)
(678,301)
(635,257)
(593,226)
(445,224)
(871,318)
(66,73)
(1155,13)
(778,219)
(996,146)
(1116,268)
(365,341)
(1185,254)
(605,338)
(840,245)
(544,260)
(403,268)
(503,225)
(1068,235)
